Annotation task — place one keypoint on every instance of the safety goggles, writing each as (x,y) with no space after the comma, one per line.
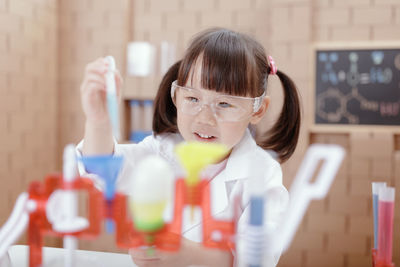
(191,101)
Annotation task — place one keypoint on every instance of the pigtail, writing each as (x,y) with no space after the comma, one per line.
(283,136)
(164,117)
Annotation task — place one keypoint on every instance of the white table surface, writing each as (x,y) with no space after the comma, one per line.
(55,257)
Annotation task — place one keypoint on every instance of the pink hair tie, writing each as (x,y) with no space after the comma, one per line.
(272,65)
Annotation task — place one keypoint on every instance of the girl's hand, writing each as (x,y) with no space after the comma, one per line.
(142,258)
(190,253)
(147,257)
(93,92)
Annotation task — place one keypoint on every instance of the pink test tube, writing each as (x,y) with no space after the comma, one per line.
(385,226)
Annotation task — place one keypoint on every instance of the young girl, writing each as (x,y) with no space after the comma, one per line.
(213,94)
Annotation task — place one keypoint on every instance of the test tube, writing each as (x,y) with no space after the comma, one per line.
(71,200)
(147,116)
(255,239)
(135,119)
(375,195)
(385,226)
(112,98)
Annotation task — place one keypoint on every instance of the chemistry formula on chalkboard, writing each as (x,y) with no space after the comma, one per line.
(360,87)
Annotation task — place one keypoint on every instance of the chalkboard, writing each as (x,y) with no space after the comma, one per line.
(357,86)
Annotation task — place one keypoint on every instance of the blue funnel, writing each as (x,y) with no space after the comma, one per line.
(107,167)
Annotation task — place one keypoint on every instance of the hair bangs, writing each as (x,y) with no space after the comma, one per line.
(227,65)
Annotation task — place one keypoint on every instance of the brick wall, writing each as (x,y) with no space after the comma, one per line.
(345,221)
(28,79)
(336,231)
(88,30)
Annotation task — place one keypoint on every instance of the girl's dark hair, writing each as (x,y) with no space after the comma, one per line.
(232,63)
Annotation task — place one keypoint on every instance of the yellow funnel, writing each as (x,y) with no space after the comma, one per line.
(194,156)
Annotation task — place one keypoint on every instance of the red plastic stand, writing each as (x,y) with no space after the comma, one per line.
(168,238)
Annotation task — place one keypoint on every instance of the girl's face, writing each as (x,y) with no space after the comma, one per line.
(204,126)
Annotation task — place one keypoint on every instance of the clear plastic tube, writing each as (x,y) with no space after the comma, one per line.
(375,195)
(112,101)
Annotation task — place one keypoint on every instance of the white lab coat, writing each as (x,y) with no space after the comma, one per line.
(246,160)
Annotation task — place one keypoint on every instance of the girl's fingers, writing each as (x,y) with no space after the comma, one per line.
(147,263)
(99,66)
(94,101)
(94,77)
(95,80)
(141,258)
(94,87)
(97,70)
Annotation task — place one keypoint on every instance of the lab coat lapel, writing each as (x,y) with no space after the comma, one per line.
(236,169)
(219,198)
